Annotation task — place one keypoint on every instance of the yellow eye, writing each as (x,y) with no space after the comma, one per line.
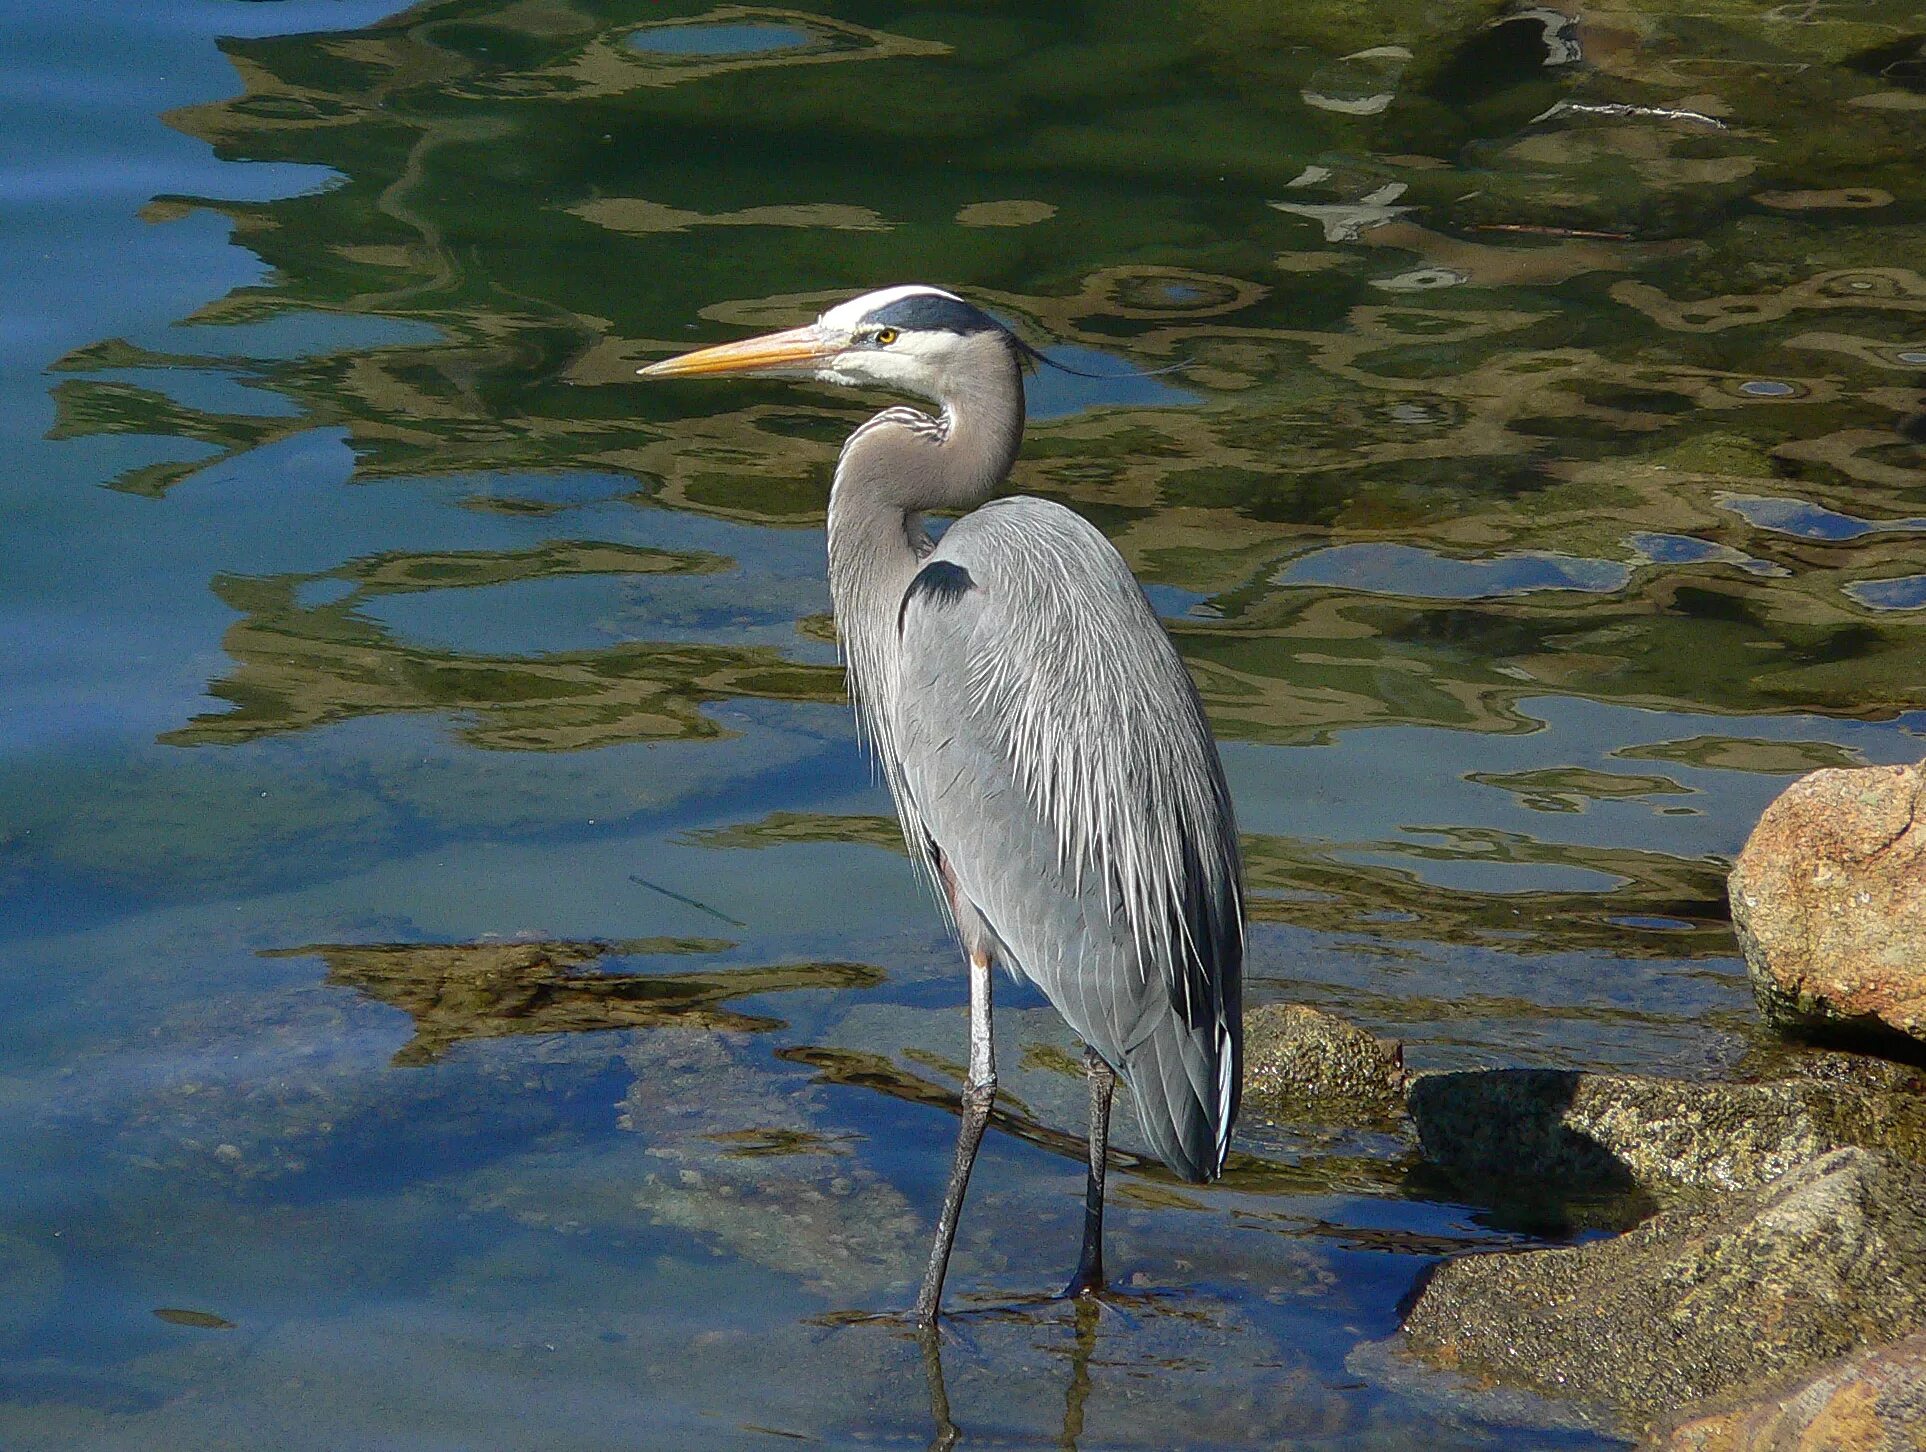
(885,336)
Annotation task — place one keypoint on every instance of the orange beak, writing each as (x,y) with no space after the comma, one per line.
(799,349)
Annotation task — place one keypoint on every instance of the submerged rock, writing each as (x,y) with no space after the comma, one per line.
(1298,1057)
(1829,901)
(1872,1401)
(1619,1130)
(1697,1301)
(749,1160)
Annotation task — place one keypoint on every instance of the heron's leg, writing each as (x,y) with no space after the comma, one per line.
(1103,1083)
(979,1093)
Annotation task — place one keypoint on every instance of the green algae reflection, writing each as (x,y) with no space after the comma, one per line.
(460,991)
(540,192)
(299,664)
(1524,359)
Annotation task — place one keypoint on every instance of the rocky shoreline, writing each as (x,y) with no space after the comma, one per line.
(1772,1290)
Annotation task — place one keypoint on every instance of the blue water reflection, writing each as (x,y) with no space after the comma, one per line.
(1808,520)
(1906,592)
(738,39)
(1395,569)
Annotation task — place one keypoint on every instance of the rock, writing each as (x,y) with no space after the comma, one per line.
(1297,1057)
(1697,1301)
(1614,1131)
(1829,901)
(1871,1401)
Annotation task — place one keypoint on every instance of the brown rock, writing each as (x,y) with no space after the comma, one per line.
(1697,1302)
(1617,1130)
(1298,1057)
(1871,1401)
(1829,901)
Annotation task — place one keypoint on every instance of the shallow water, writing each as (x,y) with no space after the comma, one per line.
(465,988)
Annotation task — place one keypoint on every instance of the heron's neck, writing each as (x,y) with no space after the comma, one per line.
(894,467)
(876,546)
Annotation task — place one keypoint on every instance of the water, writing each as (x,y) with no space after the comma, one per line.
(465,991)
(717,39)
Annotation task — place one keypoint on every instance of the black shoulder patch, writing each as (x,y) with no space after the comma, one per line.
(942,582)
(928,312)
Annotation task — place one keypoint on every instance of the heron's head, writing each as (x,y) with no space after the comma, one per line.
(917,340)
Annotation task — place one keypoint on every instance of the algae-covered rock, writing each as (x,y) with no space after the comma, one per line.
(1872,1401)
(1696,1301)
(1829,900)
(1298,1057)
(1616,1130)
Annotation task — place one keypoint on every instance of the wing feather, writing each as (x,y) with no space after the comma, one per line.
(1054,750)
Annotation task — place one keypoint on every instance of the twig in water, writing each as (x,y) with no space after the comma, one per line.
(640,881)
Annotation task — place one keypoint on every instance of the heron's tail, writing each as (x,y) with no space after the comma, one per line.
(1186,1083)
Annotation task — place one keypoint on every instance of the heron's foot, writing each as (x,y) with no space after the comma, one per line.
(903,1323)
(937,1330)
(943,1332)
(1089,1290)
(1088,1281)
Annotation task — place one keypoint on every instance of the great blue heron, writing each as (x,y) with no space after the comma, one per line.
(1045,746)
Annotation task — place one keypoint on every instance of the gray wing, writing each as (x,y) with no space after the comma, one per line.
(1055,752)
